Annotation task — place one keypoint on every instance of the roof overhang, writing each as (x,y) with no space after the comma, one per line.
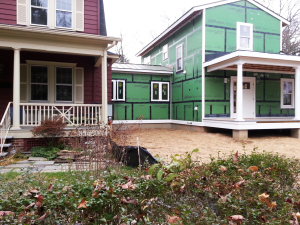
(195,11)
(53,41)
(141,69)
(255,62)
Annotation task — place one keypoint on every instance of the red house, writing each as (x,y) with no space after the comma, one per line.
(54,60)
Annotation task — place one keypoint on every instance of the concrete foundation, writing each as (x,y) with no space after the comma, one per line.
(240,135)
(295,133)
(187,127)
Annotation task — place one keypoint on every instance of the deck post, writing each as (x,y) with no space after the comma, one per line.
(239,92)
(297,93)
(104,118)
(16,90)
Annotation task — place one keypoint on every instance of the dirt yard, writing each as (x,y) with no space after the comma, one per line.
(166,142)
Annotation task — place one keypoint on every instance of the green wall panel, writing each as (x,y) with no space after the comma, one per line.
(259,90)
(242,3)
(192,90)
(188,67)
(265,108)
(198,64)
(138,92)
(273,75)
(177,92)
(159,59)
(119,111)
(153,61)
(215,16)
(141,78)
(183,111)
(215,39)
(258,42)
(172,54)
(231,40)
(159,111)
(179,77)
(217,107)
(272,43)
(198,113)
(161,78)
(122,76)
(214,88)
(215,73)
(272,90)
(198,21)
(194,42)
(141,110)
(188,28)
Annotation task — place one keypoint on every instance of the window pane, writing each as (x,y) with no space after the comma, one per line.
(41,3)
(155,88)
(63,19)
(179,64)
(287,99)
(39,74)
(120,91)
(39,92)
(245,42)
(164,92)
(39,16)
(287,87)
(64,4)
(64,75)
(113,89)
(245,31)
(63,93)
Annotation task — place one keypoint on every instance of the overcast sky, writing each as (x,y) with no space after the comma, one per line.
(140,21)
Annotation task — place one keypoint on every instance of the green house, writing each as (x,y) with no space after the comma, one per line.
(227,72)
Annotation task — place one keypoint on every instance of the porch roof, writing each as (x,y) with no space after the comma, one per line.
(255,62)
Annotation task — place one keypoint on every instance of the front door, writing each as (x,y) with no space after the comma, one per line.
(248,97)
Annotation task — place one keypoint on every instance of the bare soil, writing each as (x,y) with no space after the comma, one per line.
(167,142)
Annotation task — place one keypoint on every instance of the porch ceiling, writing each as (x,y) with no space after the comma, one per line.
(255,62)
(54,41)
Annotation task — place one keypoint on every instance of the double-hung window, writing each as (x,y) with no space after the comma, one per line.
(118,90)
(166,52)
(179,57)
(39,83)
(287,93)
(244,36)
(64,84)
(159,91)
(64,13)
(39,12)
(147,60)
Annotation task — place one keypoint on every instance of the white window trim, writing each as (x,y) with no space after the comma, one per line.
(72,11)
(72,85)
(167,51)
(159,91)
(238,28)
(177,47)
(48,9)
(147,60)
(115,84)
(30,83)
(292,106)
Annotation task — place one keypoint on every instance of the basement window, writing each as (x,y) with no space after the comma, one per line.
(287,93)
(179,58)
(159,91)
(244,36)
(118,90)
(166,52)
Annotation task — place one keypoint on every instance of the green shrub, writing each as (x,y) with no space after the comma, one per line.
(47,152)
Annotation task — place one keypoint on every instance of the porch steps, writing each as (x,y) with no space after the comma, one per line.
(6,145)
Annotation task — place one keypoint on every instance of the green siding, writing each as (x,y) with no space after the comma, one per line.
(215,39)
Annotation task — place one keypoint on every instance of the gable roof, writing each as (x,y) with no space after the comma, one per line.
(195,11)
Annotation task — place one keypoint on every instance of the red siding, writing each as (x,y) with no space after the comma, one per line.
(8,12)
(91,17)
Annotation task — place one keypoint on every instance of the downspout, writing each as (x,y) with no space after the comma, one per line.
(104,83)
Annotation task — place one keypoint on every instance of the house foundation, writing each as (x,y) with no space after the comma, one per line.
(240,135)
(295,133)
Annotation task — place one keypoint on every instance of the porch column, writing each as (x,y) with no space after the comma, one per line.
(239,92)
(297,93)
(104,88)
(16,90)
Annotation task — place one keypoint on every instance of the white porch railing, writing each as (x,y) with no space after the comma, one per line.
(4,126)
(32,114)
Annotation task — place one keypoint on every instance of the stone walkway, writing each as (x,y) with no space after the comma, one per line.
(36,164)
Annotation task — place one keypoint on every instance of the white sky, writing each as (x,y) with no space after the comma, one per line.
(140,21)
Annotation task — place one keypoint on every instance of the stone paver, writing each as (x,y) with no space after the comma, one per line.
(43,163)
(36,159)
(24,162)
(8,170)
(18,165)
(53,167)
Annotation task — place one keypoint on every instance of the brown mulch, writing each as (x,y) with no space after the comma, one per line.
(166,142)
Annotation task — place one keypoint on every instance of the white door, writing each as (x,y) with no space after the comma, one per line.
(248,97)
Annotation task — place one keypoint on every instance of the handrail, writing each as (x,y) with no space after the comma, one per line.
(5,126)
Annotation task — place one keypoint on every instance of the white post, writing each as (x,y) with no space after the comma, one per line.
(16,90)
(104,88)
(239,92)
(297,93)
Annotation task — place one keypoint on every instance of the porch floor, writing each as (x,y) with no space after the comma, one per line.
(258,119)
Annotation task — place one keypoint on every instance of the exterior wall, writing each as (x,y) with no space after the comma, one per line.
(8,12)
(138,98)
(186,88)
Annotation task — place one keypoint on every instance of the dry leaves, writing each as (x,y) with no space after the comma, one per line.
(237,219)
(236,157)
(82,204)
(223,168)
(5,213)
(174,219)
(253,168)
(129,201)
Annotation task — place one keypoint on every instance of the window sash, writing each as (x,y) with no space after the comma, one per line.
(68,24)
(287,93)
(61,95)
(42,10)
(35,93)
(160,91)
(244,36)
(165,52)
(179,58)
(118,90)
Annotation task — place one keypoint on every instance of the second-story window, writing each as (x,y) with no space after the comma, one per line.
(64,13)
(179,58)
(165,52)
(147,60)
(39,12)
(244,36)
